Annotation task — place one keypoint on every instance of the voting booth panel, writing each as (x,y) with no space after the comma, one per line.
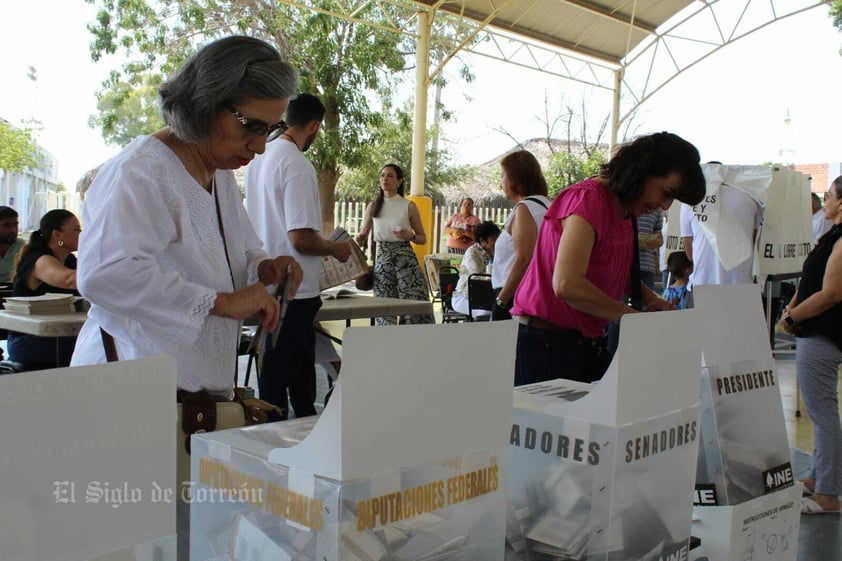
(598,471)
(87,463)
(786,237)
(407,461)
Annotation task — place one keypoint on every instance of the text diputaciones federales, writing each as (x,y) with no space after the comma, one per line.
(407,503)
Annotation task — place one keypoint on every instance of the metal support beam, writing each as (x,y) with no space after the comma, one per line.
(615,110)
(419,125)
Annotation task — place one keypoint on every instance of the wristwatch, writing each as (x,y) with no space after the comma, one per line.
(789,321)
(501,304)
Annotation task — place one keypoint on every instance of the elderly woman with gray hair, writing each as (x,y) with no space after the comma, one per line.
(171,262)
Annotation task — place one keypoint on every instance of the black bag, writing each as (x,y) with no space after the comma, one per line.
(597,357)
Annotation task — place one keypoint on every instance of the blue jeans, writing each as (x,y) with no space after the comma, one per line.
(546,355)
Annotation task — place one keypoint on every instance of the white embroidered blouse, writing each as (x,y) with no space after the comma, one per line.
(152,259)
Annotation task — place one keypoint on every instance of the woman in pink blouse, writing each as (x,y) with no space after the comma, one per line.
(583,257)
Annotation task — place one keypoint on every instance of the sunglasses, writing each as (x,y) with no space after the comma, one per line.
(256,127)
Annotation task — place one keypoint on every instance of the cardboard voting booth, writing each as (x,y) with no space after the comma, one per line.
(87,463)
(744,475)
(408,461)
(786,237)
(605,471)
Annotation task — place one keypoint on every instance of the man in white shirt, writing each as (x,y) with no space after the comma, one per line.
(707,268)
(282,200)
(821,224)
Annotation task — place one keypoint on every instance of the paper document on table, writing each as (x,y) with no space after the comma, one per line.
(49,303)
(334,272)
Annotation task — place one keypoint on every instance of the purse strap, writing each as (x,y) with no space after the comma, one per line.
(110,347)
(636,291)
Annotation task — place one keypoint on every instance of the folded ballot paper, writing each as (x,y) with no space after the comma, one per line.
(44,304)
(335,273)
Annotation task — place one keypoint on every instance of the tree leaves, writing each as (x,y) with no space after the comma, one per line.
(18,149)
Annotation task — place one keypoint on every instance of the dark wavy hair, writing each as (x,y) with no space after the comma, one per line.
(655,155)
(525,172)
(53,220)
(678,263)
(485,230)
(381,196)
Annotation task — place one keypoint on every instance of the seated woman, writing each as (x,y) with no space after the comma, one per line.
(475,261)
(460,227)
(46,264)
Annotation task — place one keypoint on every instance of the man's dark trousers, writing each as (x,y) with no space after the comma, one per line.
(291,363)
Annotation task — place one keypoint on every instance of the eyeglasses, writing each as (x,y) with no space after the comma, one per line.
(256,127)
(826,196)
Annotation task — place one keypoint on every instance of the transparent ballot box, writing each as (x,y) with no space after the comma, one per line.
(744,452)
(245,507)
(407,461)
(585,490)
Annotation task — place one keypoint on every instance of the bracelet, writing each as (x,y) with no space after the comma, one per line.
(412,239)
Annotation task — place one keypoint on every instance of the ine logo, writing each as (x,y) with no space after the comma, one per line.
(705,495)
(777,478)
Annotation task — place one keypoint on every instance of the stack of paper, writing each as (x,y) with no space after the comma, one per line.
(45,304)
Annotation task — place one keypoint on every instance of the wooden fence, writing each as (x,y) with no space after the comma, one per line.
(349,215)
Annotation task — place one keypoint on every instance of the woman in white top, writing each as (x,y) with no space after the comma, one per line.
(396,222)
(171,262)
(524,185)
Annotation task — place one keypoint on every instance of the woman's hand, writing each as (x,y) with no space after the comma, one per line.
(279,270)
(404,234)
(252,300)
(793,329)
(659,305)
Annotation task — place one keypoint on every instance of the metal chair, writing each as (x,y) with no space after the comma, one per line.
(480,296)
(431,271)
(448,277)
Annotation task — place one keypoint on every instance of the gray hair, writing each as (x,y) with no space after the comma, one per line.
(228,70)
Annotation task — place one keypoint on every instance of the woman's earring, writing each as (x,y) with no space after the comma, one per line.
(60,243)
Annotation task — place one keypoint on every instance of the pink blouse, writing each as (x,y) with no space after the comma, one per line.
(609,266)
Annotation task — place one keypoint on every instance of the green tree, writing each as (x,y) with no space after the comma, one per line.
(836,13)
(566,168)
(392,143)
(345,64)
(18,149)
(128,108)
